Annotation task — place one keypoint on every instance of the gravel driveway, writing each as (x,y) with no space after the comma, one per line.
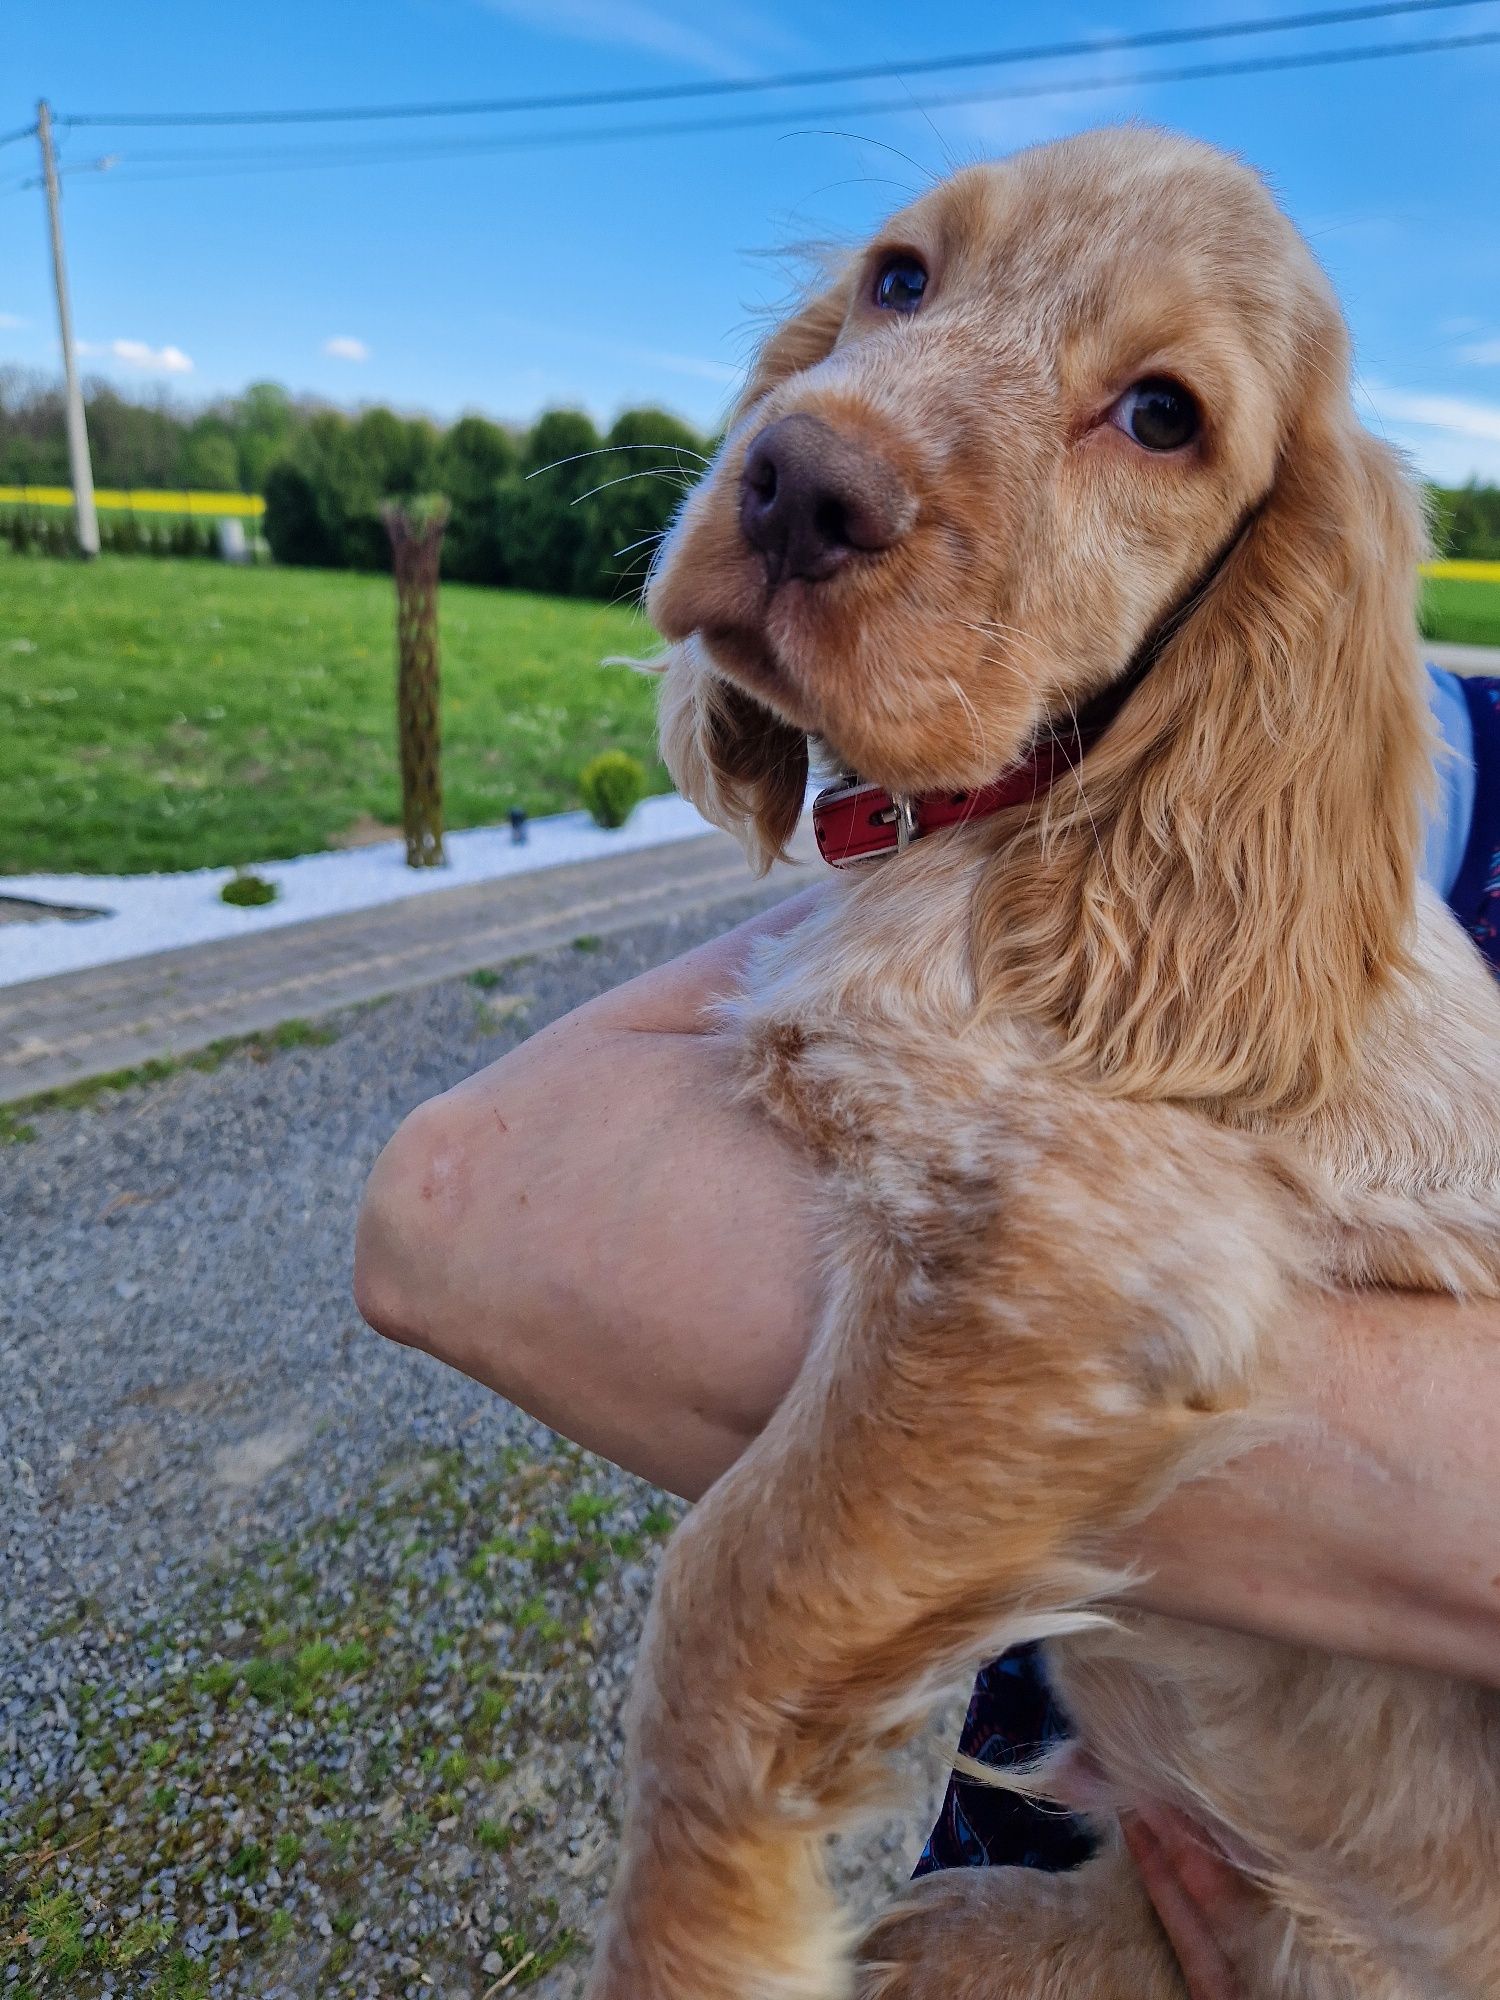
(311,1651)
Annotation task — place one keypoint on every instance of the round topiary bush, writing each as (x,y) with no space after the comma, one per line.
(613,785)
(247,891)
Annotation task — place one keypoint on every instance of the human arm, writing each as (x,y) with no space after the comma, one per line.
(599,1229)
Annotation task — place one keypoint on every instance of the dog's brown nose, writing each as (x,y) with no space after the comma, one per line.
(811,497)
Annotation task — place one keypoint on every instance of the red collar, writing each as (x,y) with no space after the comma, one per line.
(856,822)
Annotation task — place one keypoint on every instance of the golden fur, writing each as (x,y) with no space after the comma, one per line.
(1096,1084)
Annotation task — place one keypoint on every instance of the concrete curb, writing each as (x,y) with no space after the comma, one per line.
(77,1025)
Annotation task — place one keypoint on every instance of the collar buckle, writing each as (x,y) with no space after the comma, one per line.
(901,813)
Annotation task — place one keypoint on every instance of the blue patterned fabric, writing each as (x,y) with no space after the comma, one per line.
(1453,815)
(1012,1714)
(1475,896)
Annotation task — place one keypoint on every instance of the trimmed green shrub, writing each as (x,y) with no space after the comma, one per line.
(247,891)
(612,785)
(120,534)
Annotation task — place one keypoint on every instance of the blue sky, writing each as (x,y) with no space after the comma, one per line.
(631,272)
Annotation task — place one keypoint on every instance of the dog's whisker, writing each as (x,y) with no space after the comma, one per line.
(996,628)
(1017,673)
(976,726)
(943,147)
(642,542)
(864,139)
(608,450)
(862,180)
(642,472)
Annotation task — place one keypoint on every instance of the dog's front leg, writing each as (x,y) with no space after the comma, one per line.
(965,1428)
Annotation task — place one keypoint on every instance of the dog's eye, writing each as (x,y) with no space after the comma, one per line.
(899,284)
(1158,413)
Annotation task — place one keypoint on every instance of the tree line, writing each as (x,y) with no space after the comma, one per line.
(557,507)
(223,447)
(560,508)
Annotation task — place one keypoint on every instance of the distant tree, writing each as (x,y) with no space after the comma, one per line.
(265,421)
(539,518)
(296,525)
(210,459)
(473,456)
(1466,521)
(650,460)
(33,441)
(377,457)
(558,449)
(133,444)
(347,469)
(397,452)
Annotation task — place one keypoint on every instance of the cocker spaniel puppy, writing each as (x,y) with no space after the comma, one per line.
(1049,519)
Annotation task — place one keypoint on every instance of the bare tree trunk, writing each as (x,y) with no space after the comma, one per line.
(416,545)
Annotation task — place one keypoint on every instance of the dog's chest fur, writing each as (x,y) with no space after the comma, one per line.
(861,1036)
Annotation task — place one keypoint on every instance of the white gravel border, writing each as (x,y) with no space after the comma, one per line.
(146,913)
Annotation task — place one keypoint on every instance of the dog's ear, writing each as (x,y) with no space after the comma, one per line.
(1219,915)
(742,767)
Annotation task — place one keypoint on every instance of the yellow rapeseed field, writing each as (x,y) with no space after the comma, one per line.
(216,505)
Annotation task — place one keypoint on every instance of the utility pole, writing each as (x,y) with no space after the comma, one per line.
(78,436)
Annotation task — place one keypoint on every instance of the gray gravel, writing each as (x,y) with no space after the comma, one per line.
(312,1651)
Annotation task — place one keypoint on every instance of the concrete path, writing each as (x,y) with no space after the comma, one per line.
(1463,659)
(82,1024)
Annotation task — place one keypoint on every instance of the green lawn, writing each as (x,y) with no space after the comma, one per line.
(158,714)
(1463,610)
(162,714)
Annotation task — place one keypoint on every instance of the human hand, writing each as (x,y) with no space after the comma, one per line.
(1203,1903)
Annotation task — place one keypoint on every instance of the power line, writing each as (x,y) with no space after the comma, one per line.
(196,166)
(786,80)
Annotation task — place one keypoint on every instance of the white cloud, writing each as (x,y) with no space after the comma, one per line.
(630,24)
(344,347)
(1484,353)
(138,354)
(1451,437)
(11,319)
(1479,421)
